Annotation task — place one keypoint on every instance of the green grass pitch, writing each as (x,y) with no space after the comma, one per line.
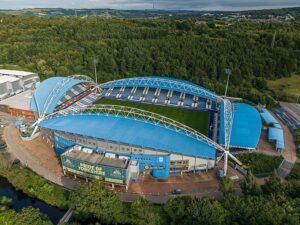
(197,120)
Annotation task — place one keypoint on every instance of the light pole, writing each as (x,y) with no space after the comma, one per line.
(228,72)
(95,61)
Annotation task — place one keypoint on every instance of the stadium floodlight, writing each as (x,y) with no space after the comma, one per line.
(95,62)
(228,72)
(228,122)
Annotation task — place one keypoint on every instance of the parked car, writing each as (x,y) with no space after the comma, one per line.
(15,161)
(176,192)
(2,145)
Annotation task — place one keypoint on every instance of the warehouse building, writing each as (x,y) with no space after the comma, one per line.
(27,79)
(9,86)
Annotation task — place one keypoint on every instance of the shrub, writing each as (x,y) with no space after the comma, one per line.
(260,163)
(295,173)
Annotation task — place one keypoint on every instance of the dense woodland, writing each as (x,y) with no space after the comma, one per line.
(183,49)
(273,203)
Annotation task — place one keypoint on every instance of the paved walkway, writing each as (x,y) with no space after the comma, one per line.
(18,149)
(289,153)
(41,159)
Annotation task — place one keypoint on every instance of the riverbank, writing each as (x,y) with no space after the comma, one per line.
(19,201)
(33,185)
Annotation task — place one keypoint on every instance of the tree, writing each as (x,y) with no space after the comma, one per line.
(205,211)
(273,185)
(263,209)
(31,216)
(226,186)
(94,199)
(249,185)
(176,208)
(293,188)
(8,217)
(144,213)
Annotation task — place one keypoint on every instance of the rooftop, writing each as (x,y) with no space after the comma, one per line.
(132,131)
(268,117)
(16,73)
(4,79)
(246,126)
(96,158)
(44,90)
(276,134)
(19,101)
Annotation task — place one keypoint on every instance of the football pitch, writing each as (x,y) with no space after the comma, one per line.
(198,120)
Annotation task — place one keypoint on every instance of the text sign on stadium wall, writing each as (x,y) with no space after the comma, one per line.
(116,175)
(91,169)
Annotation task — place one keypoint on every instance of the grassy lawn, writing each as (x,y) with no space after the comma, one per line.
(287,87)
(260,163)
(195,119)
(11,67)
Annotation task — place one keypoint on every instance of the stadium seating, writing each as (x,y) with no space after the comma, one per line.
(175,98)
(162,96)
(150,95)
(138,94)
(71,93)
(188,100)
(201,104)
(155,91)
(114,92)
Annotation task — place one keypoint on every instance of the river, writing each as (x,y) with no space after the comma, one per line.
(21,200)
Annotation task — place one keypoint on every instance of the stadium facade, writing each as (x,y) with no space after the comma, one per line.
(117,143)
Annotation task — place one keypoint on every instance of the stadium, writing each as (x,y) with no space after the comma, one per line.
(122,129)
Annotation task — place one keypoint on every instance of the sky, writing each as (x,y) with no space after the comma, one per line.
(148,4)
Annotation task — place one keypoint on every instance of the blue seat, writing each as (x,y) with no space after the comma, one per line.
(126,93)
(188,101)
(150,95)
(114,93)
(175,98)
(162,96)
(138,94)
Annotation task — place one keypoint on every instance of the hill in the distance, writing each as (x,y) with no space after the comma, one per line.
(269,14)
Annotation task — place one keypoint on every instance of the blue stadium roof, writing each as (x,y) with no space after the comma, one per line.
(131,131)
(246,127)
(277,125)
(165,83)
(268,117)
(276,134)
(44,90)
